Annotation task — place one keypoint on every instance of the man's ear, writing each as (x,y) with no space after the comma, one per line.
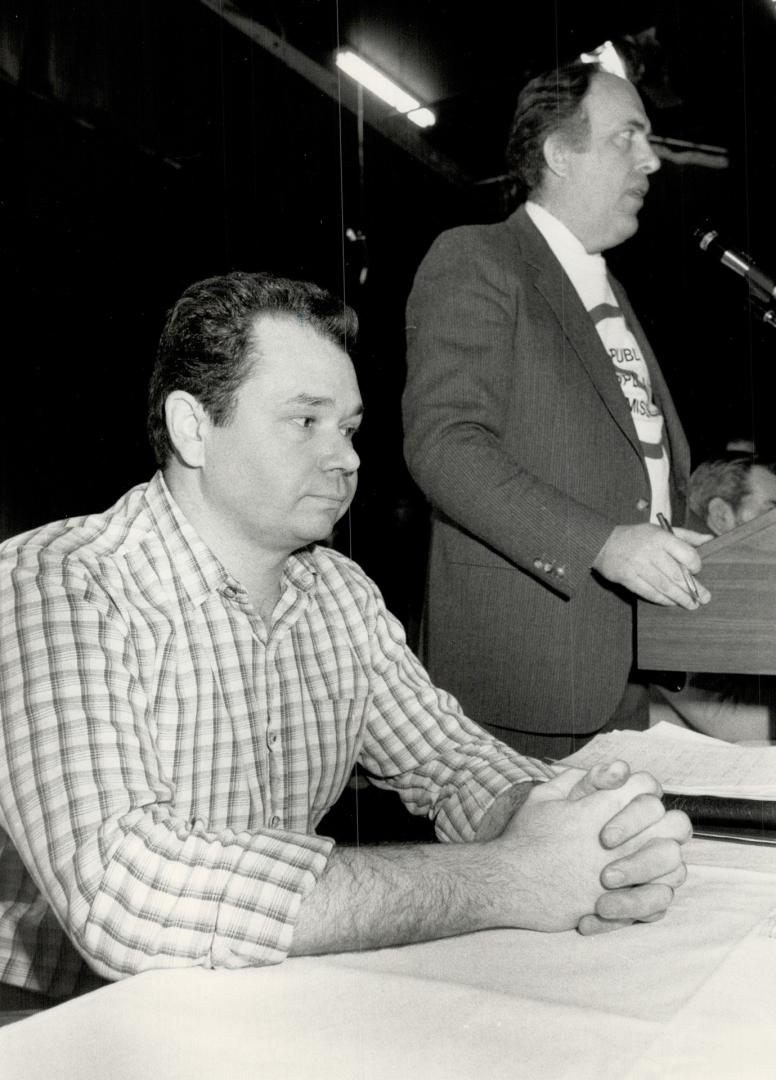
(556,152)
(720,516)
(187,425)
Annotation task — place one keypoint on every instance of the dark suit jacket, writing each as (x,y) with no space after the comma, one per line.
(520,437)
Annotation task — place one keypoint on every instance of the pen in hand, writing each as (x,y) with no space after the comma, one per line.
(689,580)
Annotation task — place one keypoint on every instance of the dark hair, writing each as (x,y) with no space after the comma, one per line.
(724,478)
(550,102)
(208,342)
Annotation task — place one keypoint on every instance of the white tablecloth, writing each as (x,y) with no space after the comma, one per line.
(690,996)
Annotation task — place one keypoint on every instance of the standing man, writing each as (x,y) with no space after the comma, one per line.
(540,428)
(187,679)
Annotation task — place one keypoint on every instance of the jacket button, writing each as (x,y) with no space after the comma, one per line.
(547,567)
(537,564)
(561,571)
(642,504)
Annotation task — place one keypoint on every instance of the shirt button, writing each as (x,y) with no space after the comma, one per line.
(642,504)
(272,738)
(274,821)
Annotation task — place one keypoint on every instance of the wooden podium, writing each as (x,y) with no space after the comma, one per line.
(736,630)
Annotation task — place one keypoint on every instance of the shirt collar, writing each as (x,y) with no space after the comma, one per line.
(585,270)
(300,569)
(562,241)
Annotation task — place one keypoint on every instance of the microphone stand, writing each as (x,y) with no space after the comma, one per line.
(762,290)
(760,302)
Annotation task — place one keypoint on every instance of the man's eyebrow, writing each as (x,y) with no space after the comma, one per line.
(309,399)
(314,400)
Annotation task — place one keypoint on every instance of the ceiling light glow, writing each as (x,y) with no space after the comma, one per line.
(381,86)
(422,117)
(362,71)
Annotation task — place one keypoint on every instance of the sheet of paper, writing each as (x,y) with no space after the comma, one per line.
(687,763)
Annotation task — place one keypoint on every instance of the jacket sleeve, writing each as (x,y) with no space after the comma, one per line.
(462,334)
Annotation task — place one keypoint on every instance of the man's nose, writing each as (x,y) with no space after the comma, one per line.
(649,162)
(342,455)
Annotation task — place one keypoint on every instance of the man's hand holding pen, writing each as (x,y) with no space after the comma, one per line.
(657,564)
(689,580)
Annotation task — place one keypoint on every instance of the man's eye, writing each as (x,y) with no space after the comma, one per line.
(351,430)
(303,421)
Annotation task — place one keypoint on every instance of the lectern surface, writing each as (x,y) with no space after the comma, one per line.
(736,630)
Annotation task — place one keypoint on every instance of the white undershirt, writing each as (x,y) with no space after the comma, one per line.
(589,277)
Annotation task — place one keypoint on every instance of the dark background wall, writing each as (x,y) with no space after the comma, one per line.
(144,145)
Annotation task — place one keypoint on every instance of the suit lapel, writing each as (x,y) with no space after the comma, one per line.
(551,281)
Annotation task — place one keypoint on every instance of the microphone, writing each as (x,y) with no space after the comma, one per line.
(709,241)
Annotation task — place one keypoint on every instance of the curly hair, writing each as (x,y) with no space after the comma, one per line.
(724,478)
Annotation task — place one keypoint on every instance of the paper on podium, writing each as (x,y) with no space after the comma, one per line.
(687,763)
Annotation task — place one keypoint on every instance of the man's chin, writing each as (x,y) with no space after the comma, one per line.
(627,225)
(318,528)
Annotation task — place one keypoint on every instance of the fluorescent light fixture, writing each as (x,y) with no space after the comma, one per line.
(383,87)
(422,117)
(607,58)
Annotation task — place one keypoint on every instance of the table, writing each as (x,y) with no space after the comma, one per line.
(692,996)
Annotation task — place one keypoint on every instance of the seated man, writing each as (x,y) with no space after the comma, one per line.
(724,493)
(728,491)
(188,679)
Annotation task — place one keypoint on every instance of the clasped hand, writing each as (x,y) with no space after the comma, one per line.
(582,833)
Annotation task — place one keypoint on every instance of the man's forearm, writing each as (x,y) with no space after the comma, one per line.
(369,898)
(547,870)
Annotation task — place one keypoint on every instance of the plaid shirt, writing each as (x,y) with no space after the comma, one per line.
(164,759)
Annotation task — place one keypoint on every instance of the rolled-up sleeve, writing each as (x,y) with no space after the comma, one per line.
(86,801)
(420,743)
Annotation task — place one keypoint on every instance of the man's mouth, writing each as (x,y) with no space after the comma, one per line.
(329,497)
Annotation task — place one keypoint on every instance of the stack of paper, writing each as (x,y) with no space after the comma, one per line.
(687,763)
